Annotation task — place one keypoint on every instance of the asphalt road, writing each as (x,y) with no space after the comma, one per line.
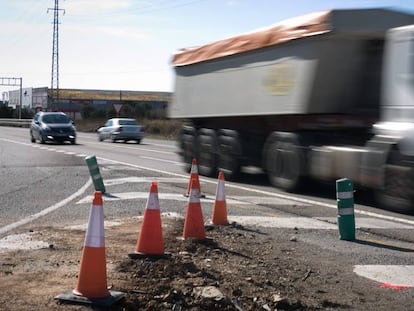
(50,184)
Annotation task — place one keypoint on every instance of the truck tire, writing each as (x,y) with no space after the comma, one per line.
(396,194)
(228,158)
(284,162)
(207,152)
(187,147)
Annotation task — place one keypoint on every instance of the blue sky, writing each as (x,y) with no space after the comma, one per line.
(128,44)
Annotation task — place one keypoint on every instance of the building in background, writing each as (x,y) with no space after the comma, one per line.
(72,101)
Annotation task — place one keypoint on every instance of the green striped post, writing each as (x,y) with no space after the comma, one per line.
(346,217)
(95,174)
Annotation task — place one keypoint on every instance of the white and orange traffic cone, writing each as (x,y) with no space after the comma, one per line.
(92,286)
(150,241)
(194,222)
(193,175)
(220,207)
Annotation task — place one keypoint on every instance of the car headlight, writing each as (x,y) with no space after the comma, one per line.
(45,128)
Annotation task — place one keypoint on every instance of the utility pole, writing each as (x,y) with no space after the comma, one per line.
(54,85)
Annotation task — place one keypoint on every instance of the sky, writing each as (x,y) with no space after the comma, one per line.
(128,44)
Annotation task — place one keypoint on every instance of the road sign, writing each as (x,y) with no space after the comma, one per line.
(117,107)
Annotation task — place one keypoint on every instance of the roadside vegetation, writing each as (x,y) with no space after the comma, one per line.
(154,120)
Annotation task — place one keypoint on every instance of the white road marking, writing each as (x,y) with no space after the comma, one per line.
(137,146)
(282,222)
(397,275)
(364,222)
(272,194)
(233,200)
(229,185)
(313,223)
(162,160)
(144,195)
(46,211)
(120,181)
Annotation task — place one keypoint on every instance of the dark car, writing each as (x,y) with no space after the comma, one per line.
(121,129)
(52,126)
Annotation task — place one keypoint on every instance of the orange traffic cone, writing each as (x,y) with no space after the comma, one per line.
(220,208)
(193,175)
(92,286)
(150,240)
(92,273)
(194,223)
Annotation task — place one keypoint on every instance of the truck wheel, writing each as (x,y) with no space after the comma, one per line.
(397,194)
(227,159)
(187,145)
(207,146)
(284,165)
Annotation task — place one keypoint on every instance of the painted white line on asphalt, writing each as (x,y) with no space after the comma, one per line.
(125,146)
(46,210)
(273,194)
(143,195)
(161,160)
(390,274)
(120,181)
(233,200)
(364,222)
(283,222)
(277,195)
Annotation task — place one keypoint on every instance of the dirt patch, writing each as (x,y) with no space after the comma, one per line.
(238,268)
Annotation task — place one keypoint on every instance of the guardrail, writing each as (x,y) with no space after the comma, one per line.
(15,122)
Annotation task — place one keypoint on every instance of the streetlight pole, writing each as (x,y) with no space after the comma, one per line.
(21,98)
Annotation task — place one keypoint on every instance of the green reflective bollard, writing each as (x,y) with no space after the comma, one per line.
(95,174)
(346,217)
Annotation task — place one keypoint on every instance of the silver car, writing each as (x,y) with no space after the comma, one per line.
(121,129)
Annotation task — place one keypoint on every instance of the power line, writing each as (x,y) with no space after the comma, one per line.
(162,6)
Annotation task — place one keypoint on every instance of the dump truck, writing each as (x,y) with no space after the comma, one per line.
(323,96)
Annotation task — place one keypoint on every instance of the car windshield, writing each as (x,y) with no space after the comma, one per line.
(128,122)
(55,118)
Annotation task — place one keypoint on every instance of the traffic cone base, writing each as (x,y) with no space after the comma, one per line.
(70,297)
